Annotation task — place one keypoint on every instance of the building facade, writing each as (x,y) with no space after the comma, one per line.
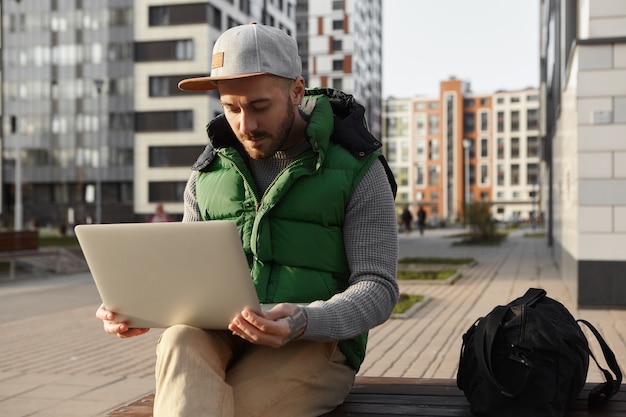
(461,147)
(331,56)
(67,92)
(583,84)
(91,105)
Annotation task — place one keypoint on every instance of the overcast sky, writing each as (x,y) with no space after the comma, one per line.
(492,44)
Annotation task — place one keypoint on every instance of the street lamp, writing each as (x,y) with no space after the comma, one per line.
(98,172)
(17,215)
(467,144)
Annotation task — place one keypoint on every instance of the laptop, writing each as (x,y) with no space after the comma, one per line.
(161,274)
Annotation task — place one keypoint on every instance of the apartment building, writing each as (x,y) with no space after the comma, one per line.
(583,94)
(328,31)
(67,95)
(173,41)
(461,147)
(91,105)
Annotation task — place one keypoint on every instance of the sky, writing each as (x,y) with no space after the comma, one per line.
(492,44)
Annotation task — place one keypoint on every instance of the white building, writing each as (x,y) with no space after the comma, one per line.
(583,58)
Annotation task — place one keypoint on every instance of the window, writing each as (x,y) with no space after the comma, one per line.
(177,50)
(514,148)
(484,174)
(420,150)
(500,171)
(337,24)
(469,102)
(515,121)
(433,124)
(338,83)
(420,124)
(484,121)
(173,156)
(484,148)
(500,150)
(180,14)
(168,86)
(337,4)
(500,121)
(433,175)
(469,122)
(532,119)
(338,65)
(433,149)
(515,174)
(163,121)
(337,45)
(532,174)
(166,191)
(419,172)
(532,146)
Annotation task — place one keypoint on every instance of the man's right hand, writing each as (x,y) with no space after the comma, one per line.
(120,328)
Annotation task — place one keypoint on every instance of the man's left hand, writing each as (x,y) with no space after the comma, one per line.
(275,327)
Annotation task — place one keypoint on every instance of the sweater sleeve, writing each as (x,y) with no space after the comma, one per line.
(371,245)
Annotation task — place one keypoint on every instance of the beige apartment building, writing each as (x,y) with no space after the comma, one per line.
(461,147)
(173,41)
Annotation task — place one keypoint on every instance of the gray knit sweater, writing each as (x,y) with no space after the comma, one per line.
(371,244)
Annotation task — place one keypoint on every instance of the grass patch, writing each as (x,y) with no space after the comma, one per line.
(435,260)
(535,234)
(492,240)
(406,301)
(426,275)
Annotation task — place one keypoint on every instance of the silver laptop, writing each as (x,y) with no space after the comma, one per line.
(161,274)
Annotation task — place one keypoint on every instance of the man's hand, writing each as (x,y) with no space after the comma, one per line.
(112,326)
(283,323)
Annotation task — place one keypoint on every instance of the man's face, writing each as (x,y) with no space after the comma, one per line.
(261,113)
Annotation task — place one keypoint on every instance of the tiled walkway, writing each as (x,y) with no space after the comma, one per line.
(62,364)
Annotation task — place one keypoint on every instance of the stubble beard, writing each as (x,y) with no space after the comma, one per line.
(272,142)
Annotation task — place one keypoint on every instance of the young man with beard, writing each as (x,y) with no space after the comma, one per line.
(313,199)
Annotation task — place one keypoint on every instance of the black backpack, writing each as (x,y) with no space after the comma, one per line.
(530,358)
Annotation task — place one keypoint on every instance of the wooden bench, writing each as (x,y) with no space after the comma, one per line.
(16,245)
(386,397)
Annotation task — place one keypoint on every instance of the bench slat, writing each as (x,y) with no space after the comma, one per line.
(388,397)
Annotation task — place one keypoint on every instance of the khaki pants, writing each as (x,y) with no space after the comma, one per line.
(214,374)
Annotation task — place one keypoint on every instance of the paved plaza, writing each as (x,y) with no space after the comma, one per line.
(57,361)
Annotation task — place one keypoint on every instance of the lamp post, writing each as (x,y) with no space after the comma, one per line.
(467,143)
(17,210)
(98,171)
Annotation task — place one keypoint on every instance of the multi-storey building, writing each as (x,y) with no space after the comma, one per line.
(328,31)
(461,147)
(583,84)
(174,41)
(91,104)
(67,111)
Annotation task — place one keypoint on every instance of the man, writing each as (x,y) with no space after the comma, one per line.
(303,179)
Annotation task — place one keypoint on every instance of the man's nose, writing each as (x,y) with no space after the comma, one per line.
(247,123)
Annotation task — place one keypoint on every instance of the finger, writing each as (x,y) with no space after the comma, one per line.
(103,314)
(136,331)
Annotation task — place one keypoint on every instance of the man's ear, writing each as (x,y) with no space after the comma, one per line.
(297,91)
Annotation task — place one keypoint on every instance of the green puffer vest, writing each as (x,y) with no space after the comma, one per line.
(292,234)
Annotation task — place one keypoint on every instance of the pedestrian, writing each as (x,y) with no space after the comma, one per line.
(159,215)
(406,217)
(305,182)
(421,220)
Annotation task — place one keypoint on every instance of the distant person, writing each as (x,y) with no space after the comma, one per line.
(407,220)
(421,220)
(159,215)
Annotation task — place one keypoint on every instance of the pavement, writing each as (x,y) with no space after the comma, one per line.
(56,361)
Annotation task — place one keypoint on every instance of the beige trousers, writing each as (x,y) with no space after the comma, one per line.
(215,374)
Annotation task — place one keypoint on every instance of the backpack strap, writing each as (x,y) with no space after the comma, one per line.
(602,392)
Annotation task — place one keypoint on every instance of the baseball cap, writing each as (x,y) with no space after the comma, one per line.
(246,51)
